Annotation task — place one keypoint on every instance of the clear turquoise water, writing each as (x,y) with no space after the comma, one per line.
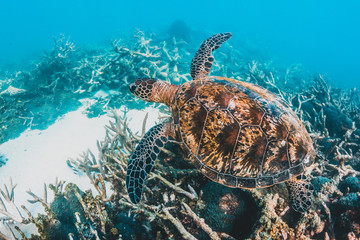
(322,35)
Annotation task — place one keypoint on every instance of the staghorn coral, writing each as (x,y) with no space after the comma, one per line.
(9,212)
(68,75)
(81,215)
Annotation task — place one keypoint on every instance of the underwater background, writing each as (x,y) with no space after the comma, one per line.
(68,122)
(322,35)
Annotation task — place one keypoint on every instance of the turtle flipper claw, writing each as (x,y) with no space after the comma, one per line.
(142,160)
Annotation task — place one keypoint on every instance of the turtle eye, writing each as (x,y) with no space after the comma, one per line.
(132,87)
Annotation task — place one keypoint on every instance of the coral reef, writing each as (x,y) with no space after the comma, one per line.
(178,202)
(67,76)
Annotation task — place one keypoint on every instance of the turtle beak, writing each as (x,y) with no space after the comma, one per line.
(132,87)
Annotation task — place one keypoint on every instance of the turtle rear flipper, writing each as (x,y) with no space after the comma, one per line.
(203,59)
(301,194)
(143,158)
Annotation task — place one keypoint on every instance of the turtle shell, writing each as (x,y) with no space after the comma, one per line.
(239,134)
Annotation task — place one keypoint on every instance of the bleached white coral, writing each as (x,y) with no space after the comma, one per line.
(12,91)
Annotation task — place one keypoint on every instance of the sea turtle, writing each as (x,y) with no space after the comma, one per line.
(236,133)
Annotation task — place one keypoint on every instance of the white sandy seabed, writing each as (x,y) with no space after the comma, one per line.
(37,157)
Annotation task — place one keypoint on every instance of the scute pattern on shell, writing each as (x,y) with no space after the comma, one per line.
(239,134)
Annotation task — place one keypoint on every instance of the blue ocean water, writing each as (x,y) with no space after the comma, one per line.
(322,35)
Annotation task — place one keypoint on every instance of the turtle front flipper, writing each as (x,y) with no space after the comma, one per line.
(301,194)
(203,59)
(143,158)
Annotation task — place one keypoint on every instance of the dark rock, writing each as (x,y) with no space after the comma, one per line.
(229,210)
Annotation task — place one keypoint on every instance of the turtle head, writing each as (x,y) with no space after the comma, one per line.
(143,88)
(152,90)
